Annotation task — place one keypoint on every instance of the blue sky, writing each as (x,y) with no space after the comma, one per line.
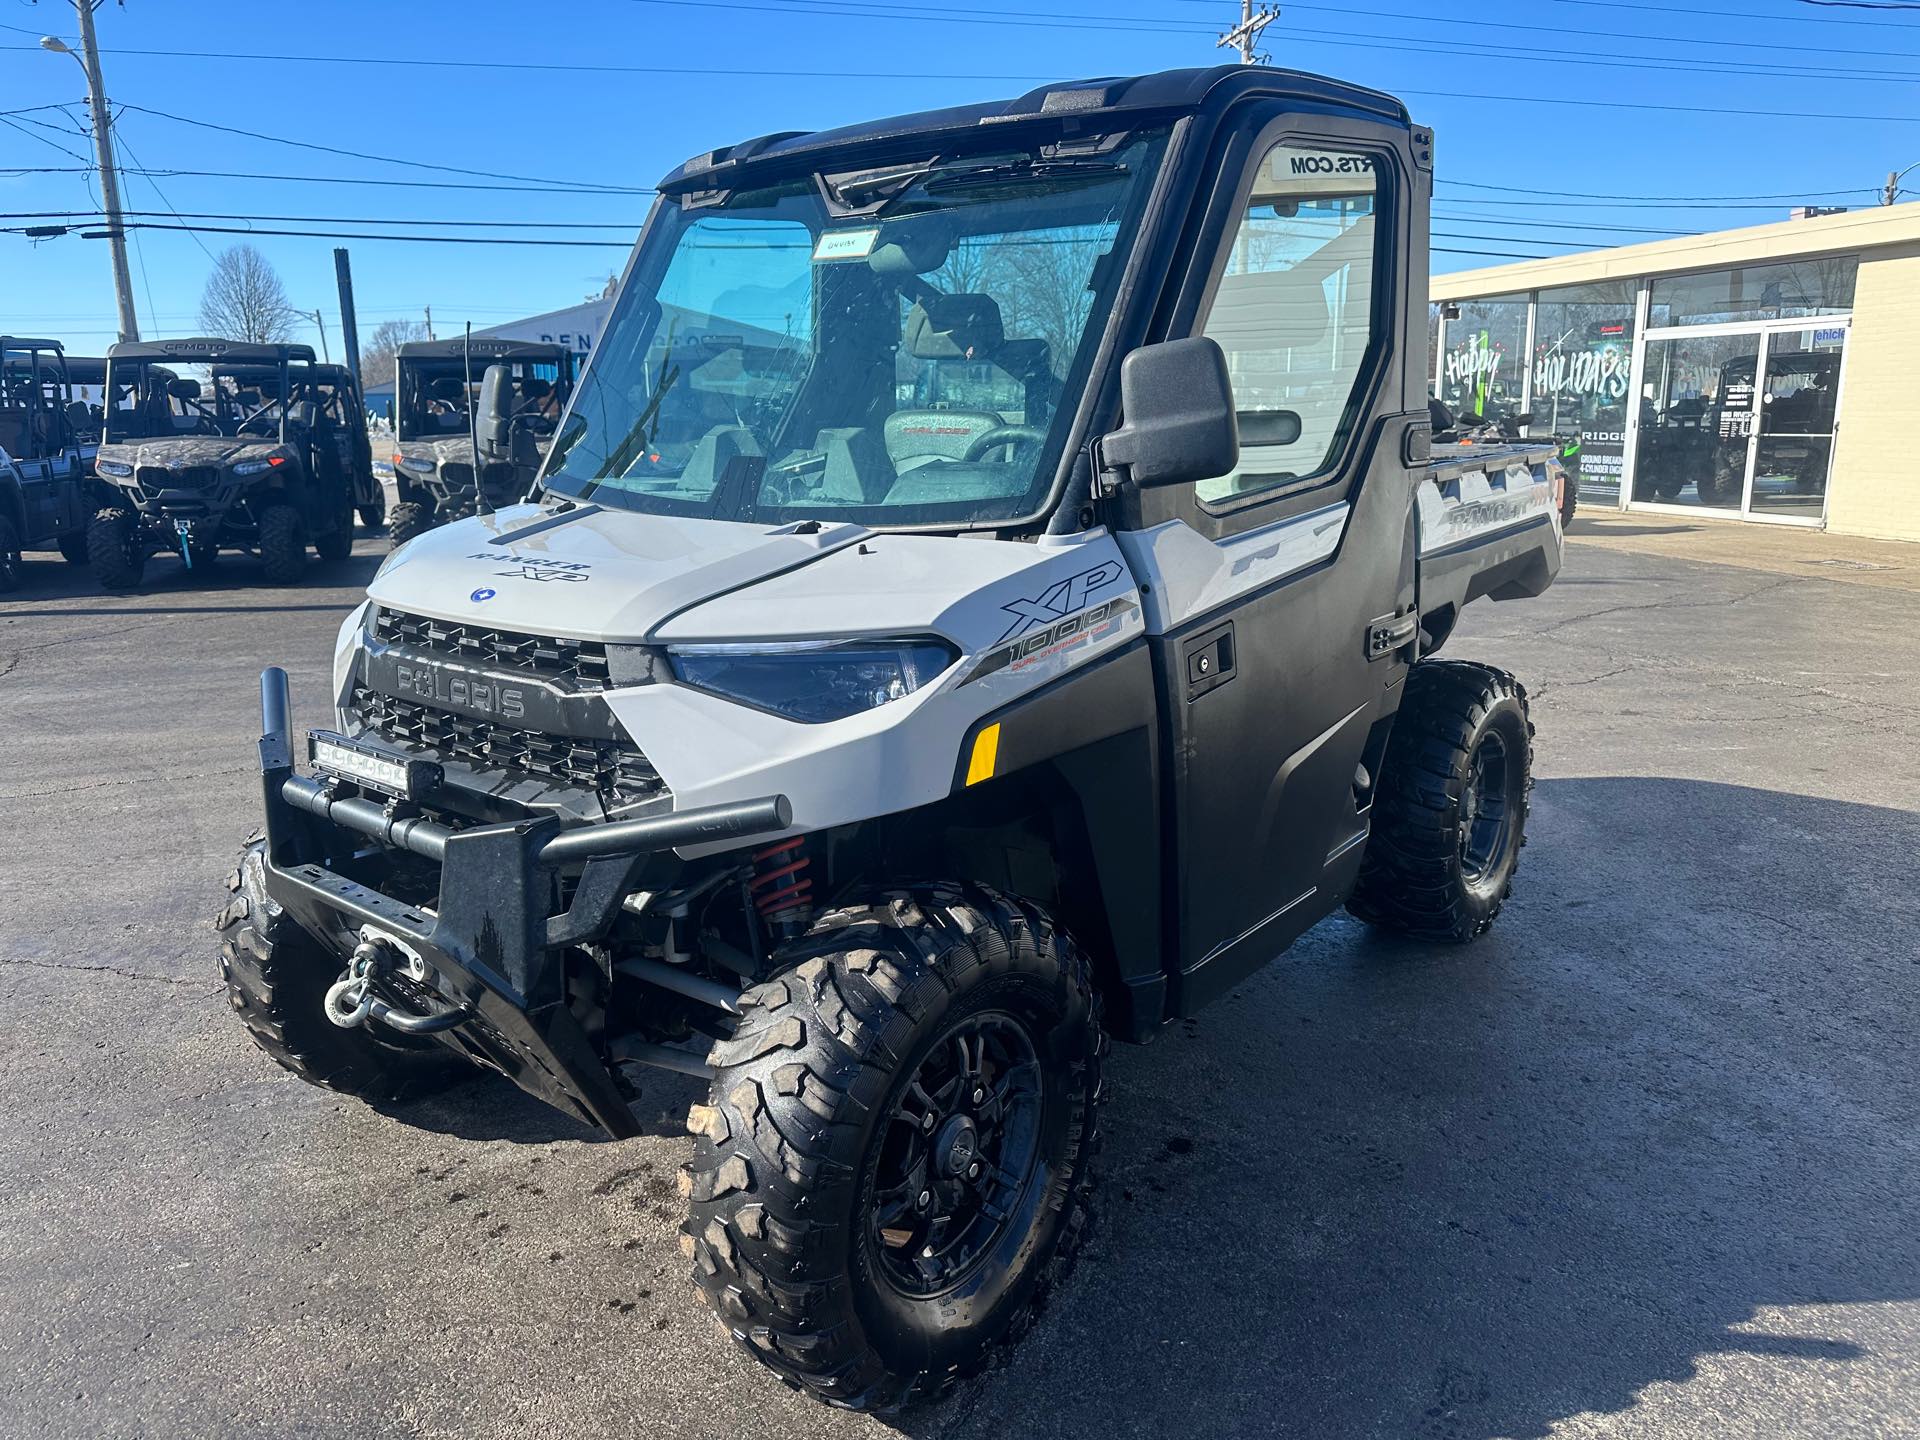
(701,73)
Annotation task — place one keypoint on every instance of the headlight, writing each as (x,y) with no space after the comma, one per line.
(417,464)
(813,680)
(256,467)
(119,469)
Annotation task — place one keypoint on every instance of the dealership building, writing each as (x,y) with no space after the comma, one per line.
(1766,374)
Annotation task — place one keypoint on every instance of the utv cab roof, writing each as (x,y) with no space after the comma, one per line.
(208,348)
(1086,105)
(21,342)
(485,347)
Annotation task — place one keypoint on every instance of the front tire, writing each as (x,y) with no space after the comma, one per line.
(1450,810)
(114,549)
(277,977)
(73,547)
(337,544)
(406,520)
(283,544)
(893,1171)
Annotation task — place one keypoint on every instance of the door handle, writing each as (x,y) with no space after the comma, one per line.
(1209,658)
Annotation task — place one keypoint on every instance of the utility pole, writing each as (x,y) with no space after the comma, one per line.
(1892,192)
(429,322)
(320,324)
(1243,35)
(349,317)
(103,153)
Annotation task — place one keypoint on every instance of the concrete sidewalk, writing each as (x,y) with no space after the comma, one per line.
(1747,545)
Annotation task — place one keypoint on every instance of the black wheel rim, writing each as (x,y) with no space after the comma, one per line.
(1486,810)
(958,1153)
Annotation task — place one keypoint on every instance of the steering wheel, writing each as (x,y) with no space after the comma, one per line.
(1003,435)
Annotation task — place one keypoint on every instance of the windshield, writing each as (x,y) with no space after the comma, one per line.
(434,399)
(151,401)
(909,365)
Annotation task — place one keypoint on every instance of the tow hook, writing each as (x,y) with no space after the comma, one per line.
(350,999)
(180,529)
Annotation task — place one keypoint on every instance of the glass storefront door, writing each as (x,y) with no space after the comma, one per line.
(1739,422)
(1797,409)
(1696,417)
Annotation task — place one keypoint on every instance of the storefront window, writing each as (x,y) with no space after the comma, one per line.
(1792,288)
(1582,369)
(1484,369)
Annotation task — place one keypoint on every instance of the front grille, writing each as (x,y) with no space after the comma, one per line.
(577,664)
(613,769)
(165,477)
(457,473)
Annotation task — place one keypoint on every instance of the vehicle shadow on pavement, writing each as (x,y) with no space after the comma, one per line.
(166,576)
(489,1107)
(1657,1126)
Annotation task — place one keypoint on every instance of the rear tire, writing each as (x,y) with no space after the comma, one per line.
(1569,501)
(407,520)
(277,977)
(806,1230)
(1450,810)
(374,517)
(114,549)
(283,544)
(337,544)
(11,562)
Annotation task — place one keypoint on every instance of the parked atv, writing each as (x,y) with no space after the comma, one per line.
(45,490)
(905,683)
(436,390)
(264,451)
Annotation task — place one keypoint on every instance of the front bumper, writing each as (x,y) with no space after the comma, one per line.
(512,899)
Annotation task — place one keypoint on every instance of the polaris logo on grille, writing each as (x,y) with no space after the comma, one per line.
(507,702)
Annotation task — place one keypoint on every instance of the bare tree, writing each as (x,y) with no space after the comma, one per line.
(377,356)
(244,299)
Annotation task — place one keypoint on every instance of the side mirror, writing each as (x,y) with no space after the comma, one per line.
(495,421)
(1179,425)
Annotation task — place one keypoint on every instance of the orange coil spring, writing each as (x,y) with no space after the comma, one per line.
(782,890)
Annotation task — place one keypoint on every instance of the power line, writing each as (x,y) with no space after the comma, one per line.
(12,124)
(1454,21)
(1746,15)
(1599,195)
(321,180)
(342,235)
(627,225)
(380,159)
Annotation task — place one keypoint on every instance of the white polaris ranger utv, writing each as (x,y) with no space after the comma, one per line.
(978,602)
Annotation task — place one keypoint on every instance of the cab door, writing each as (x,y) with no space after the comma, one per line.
(1280,597)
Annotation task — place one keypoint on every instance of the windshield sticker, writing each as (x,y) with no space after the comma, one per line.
(845,244)
(536,567)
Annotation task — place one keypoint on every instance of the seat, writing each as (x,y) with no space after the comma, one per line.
(945,328)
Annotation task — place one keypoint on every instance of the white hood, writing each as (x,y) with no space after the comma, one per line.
(588,573)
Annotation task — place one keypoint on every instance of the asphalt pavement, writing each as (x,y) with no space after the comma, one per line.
(1643,1162)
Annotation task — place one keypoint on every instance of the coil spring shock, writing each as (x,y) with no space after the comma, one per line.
(782,890)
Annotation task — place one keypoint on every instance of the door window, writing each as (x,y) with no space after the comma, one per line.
(1294,312)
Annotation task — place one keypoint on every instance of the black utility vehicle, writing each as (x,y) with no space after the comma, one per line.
(260,448)
(436,395)
(981,600)
(45,456)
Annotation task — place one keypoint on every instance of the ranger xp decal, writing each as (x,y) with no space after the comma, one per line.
(1083,629)
(1064,598)
(536,567)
